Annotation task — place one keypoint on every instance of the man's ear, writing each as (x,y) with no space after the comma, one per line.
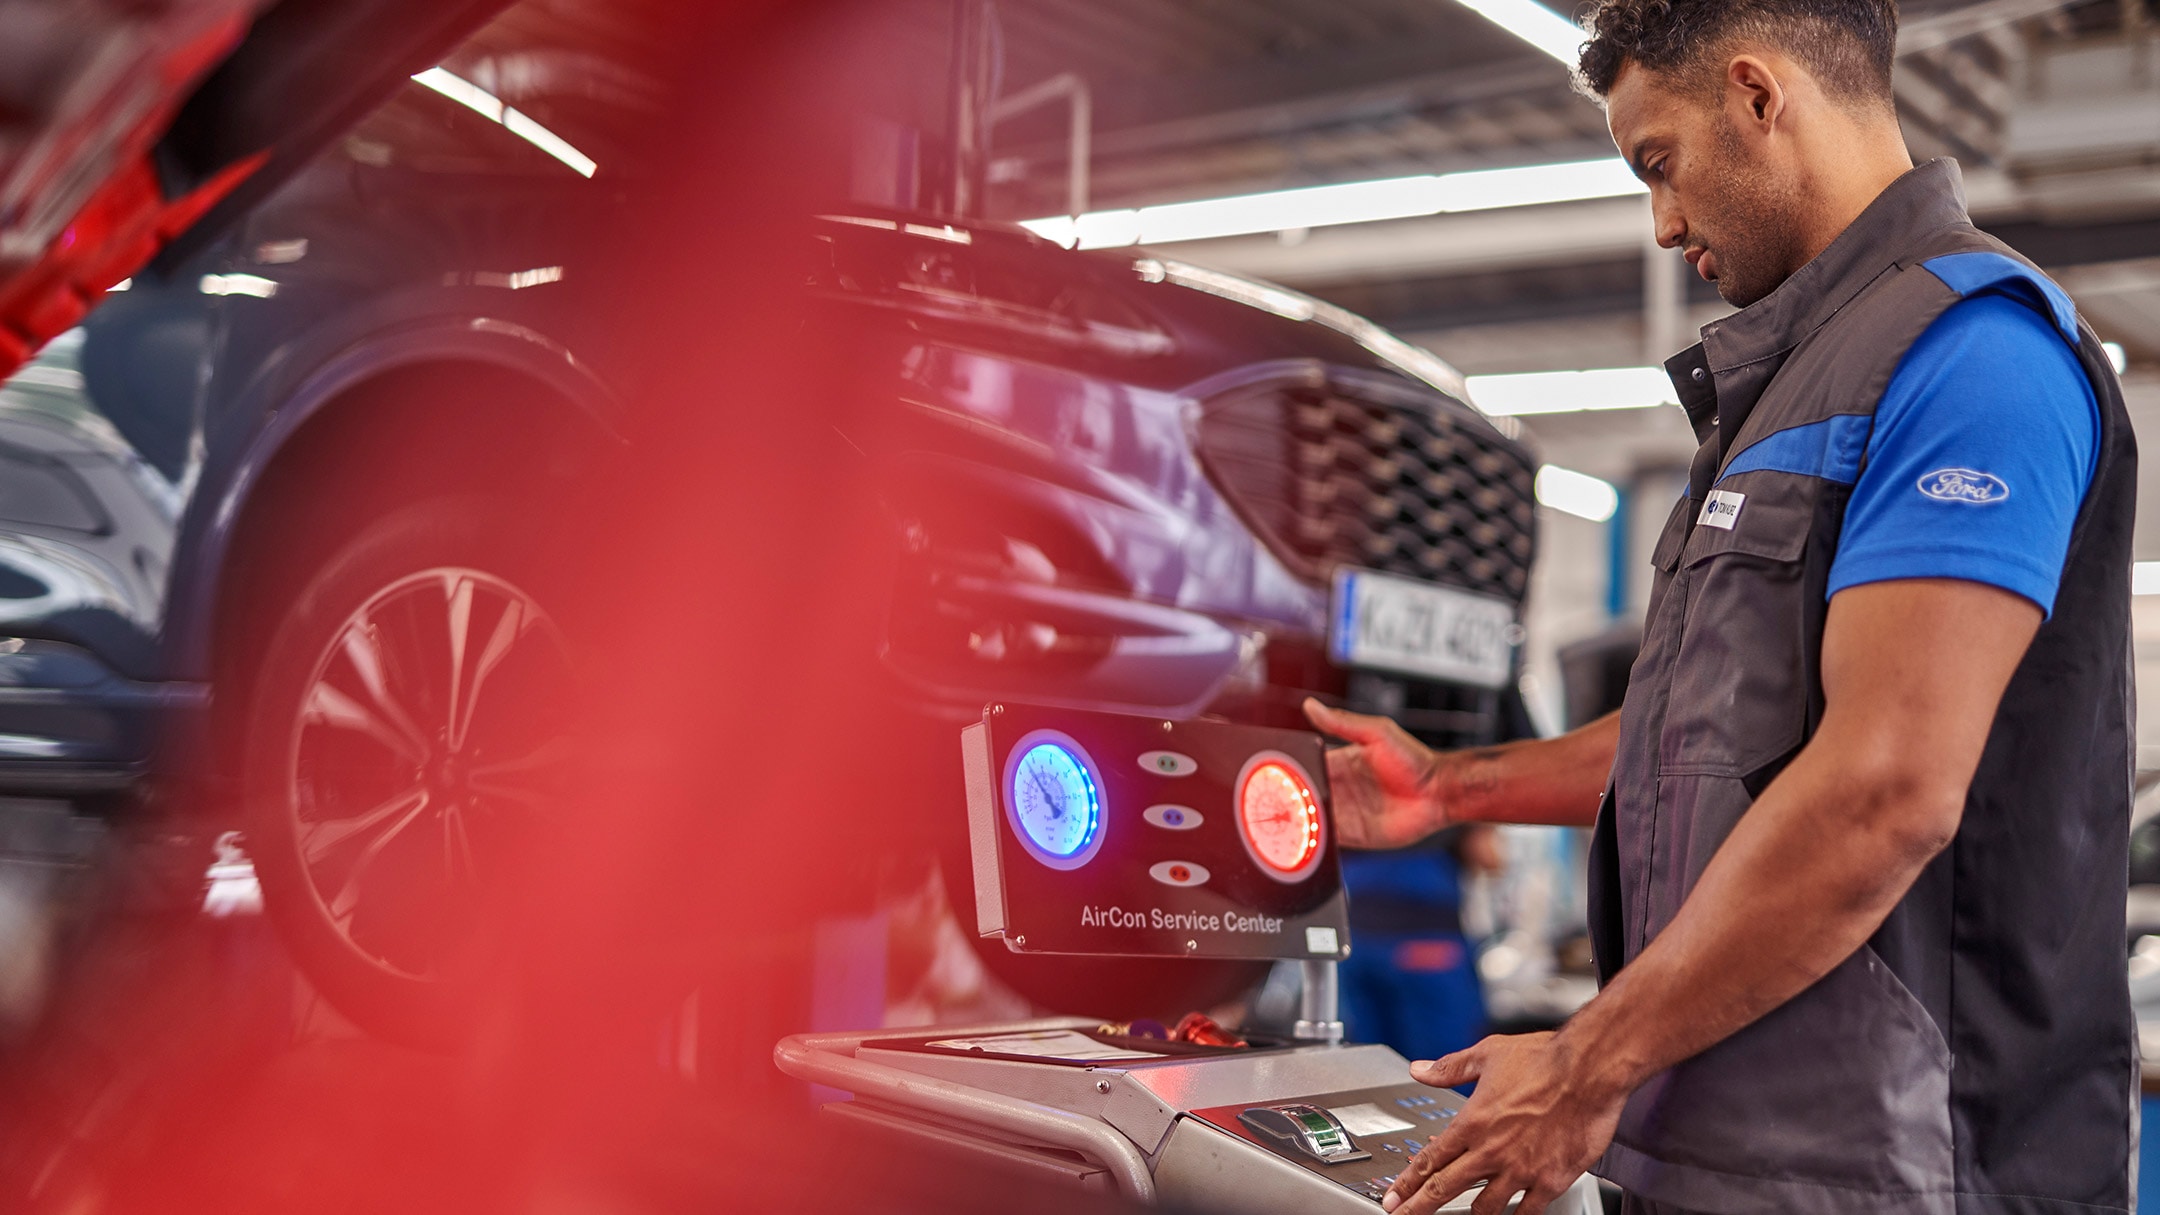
(1755,90)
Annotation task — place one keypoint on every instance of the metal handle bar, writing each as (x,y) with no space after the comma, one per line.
(817,1057)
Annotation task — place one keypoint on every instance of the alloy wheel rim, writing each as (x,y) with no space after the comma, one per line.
(420,762)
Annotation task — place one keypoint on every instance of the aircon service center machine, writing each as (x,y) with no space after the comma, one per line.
(1108,835)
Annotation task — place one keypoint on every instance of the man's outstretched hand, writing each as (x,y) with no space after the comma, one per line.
(1385,784)
(1535,1124)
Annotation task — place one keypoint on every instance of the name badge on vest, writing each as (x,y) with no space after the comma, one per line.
(1721,509)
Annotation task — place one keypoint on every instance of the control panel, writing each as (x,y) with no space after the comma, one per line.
(1359,1139)
(1100,833)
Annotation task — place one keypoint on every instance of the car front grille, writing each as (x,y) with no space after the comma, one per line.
(1353,469)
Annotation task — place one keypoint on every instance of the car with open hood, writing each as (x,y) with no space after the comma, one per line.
(302,465)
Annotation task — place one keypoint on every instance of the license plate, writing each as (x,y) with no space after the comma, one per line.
(1416,628)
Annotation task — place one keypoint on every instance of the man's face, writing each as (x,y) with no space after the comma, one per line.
(1714,190)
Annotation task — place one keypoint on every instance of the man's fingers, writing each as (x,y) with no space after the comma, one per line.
(1343,724)
(1535,1202)
(1462,1067)
(1439,1152)
(1445,1184)
(1494,1199)
(1407,1181)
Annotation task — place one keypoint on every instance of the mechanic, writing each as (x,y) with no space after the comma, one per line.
(1859,864)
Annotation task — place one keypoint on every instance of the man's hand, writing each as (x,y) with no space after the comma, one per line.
(1385,784)
(1391,790)
(1535,1124)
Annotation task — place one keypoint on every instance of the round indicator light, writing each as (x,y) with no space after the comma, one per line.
(1053,798)
(1279,816)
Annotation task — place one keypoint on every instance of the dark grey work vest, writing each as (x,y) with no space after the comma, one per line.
(1979,1053)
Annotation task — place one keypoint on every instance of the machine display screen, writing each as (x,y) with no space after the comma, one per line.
(1099,833)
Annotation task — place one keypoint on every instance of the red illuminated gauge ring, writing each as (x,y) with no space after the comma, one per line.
(1316,826)
(1092,841)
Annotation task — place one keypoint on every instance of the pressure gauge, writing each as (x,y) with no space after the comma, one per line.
(1279,816)
(1053,798)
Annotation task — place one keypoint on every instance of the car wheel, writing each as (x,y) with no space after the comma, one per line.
(405,722)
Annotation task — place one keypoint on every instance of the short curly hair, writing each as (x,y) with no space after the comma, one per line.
(1849,45)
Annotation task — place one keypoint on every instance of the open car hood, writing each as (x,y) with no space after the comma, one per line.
(125,126)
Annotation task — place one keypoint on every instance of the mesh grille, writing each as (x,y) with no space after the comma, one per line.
(1340,472)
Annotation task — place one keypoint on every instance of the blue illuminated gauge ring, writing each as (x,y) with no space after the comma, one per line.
(1054,799)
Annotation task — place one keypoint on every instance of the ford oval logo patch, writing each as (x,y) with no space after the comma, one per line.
(1964,485)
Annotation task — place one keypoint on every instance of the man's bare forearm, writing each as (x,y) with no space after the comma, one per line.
(1912,673)
(1775,911)
(1551,781)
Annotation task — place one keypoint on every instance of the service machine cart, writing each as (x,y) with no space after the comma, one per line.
(1127,836)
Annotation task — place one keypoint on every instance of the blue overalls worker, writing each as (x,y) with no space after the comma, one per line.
(1412,982)
(1859,865)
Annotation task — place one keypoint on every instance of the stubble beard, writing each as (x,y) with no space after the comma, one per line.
(1758,216)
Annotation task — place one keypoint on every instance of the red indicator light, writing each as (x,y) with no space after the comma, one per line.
(1279,816)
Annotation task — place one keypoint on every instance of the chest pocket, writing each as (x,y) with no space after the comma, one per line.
(1665,558)
(1743,669)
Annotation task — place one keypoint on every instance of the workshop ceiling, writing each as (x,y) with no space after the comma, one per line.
(2052,107)
(1200,98)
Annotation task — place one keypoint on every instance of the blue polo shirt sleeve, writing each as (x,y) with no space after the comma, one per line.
(1983,447)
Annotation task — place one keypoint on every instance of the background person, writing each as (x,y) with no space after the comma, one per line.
(1412,982)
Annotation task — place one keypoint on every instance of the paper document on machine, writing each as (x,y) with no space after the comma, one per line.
(1370,1119)
(1044,1044)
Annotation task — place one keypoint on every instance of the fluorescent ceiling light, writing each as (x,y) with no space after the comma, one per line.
(1413,361)
(1535,24)
(944,232)
(462,91)
(1578,494)
(237,284)
(491,107)
(1349,203)
(2145,578)
(1571,391)
(548,141)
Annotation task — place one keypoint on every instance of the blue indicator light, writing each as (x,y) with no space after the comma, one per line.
(1054,799)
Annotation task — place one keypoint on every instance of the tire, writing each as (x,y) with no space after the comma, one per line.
(400,731)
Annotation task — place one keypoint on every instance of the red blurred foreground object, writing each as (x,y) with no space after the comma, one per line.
(120,228)
(123,125)
(81,205)
(1201,1030)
